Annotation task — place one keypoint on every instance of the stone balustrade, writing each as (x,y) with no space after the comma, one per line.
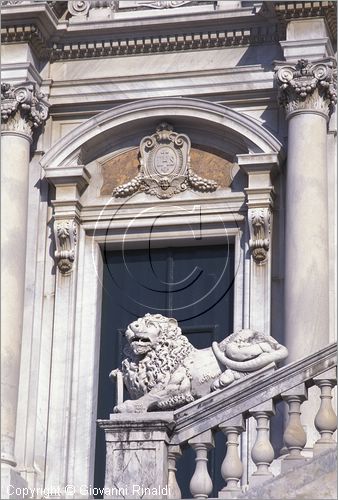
(232,409)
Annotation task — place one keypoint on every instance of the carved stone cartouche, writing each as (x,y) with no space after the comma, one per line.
(163,370)
(165,167)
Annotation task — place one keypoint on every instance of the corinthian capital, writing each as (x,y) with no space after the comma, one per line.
(23,108)
(308,86)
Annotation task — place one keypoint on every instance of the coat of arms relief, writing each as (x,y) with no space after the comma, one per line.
(164,168)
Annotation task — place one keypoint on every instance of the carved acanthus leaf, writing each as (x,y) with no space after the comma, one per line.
(259,226)
(23,102)
(165,167)
(308,85)
(65,232)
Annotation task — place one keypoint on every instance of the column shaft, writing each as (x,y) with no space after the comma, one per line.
(14,179)
(306,235)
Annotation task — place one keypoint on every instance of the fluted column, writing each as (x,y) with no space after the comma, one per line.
(22,109)
(308,93)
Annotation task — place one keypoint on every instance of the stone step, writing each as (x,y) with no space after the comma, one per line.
(316,479)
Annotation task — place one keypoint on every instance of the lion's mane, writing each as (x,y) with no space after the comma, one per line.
(154,370)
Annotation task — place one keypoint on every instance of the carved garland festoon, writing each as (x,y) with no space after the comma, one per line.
(165,167)
(65,232)
(23,107)
(308,85)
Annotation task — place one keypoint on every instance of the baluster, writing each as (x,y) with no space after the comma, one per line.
(174,452)
(232,467)
(262,452)
(294,434)
(201,484)
(326,419)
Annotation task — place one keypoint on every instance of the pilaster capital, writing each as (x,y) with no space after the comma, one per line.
(23,108)
(308,86)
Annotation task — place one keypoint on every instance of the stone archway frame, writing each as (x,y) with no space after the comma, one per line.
(76,330)
(257,139)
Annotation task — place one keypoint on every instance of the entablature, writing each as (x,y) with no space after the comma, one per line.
(90,31)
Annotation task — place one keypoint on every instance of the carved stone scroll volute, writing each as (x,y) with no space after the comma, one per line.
(165,167)
(65,232)
(308,85)
(259,226)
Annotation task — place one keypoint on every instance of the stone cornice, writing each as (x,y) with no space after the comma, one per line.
(57,39)
(23,108)
(287,11)
(129,45)
(308,86)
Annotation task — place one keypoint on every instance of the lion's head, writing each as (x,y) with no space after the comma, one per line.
(155,348)
(145,333)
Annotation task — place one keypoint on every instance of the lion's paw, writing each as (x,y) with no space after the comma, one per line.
(130,407)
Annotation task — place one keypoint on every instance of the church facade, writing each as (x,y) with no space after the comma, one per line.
(172,157)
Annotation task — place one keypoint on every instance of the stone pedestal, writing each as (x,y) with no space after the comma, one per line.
(137,455)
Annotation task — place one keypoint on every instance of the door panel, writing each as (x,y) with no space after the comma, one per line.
(191,284)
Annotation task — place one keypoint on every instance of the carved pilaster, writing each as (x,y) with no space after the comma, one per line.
(308,86)
(65,232)
(23,108)
(259,226)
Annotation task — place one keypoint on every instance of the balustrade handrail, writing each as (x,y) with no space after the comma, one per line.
(210,411)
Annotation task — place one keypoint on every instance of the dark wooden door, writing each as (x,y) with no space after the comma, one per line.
(191,284)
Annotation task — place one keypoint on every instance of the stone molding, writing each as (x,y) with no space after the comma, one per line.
(65,232)
(140,45)
(310,86)
(53,45)
(165,167)
(66,149)
(23,108)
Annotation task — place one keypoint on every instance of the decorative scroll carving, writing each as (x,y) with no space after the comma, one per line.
(163,4)
(259,226)
(163,370)
(82,7)
(78,8)
(165,167)
(22,107)
(65,237)
(308,85)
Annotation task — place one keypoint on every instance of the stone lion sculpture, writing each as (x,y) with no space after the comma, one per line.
(163,370)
